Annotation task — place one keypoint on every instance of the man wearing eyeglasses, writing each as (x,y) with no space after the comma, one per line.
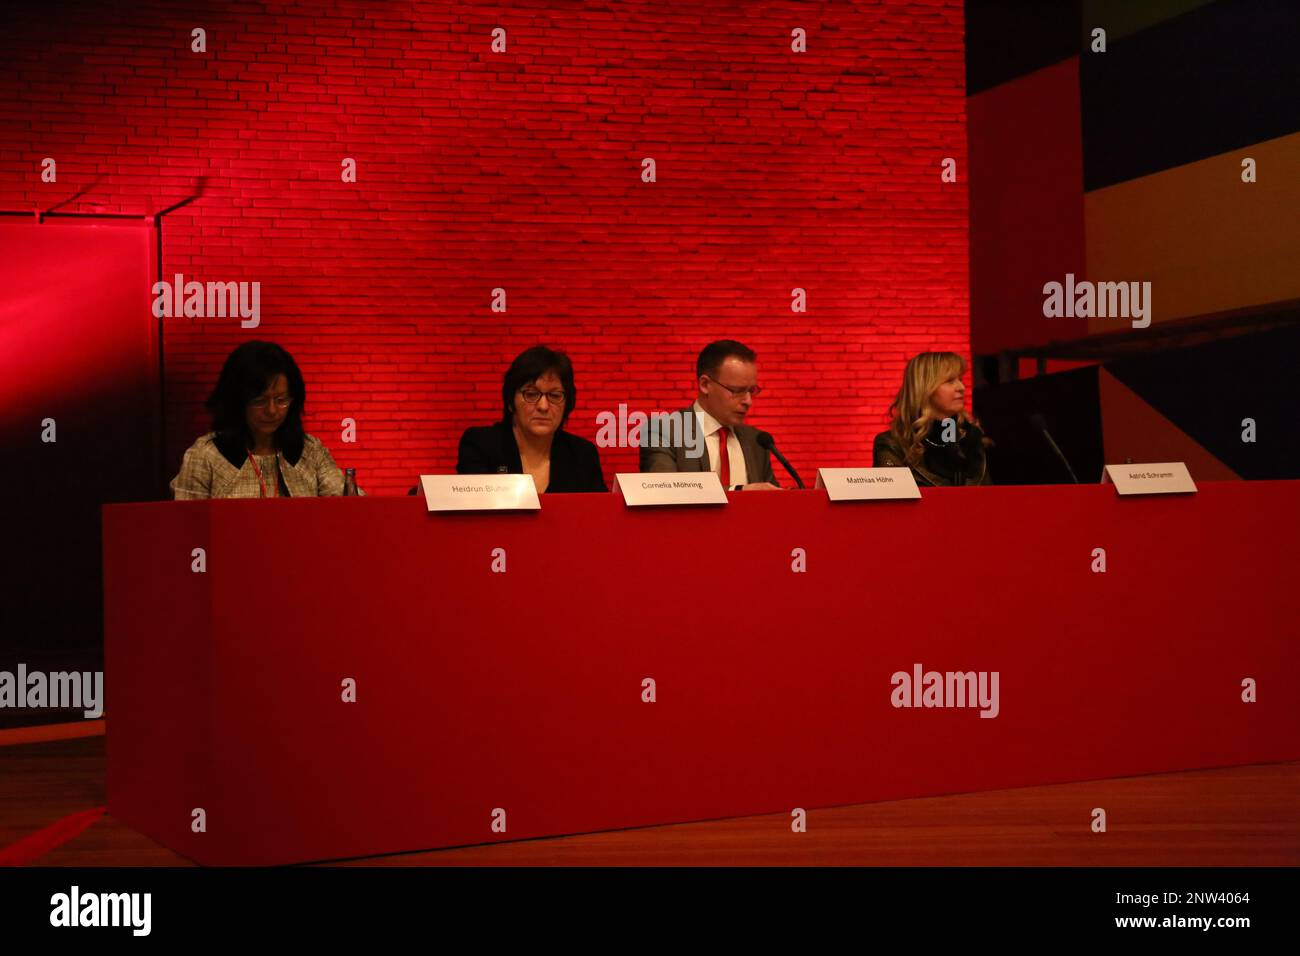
(727,377)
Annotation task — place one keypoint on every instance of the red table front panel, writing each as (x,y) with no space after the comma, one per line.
(521,691)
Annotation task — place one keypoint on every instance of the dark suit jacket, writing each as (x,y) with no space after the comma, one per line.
(758,461)
(491,449)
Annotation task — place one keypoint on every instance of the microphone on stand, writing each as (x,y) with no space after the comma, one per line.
(768,443)
(1041,424)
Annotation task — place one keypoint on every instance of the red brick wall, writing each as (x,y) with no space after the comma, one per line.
(522,170)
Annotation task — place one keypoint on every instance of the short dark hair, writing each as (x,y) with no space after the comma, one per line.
(715,353)
(249,371)
(530,365)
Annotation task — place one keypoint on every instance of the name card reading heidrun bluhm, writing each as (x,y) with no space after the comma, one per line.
(671,488)
(480,492)
(867,484)
(1155,478)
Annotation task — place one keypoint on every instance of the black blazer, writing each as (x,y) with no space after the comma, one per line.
(491,449)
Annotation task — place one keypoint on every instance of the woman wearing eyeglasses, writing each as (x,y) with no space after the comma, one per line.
(257,447)
(537,398)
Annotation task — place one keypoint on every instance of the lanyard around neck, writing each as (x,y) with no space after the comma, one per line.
(258,471)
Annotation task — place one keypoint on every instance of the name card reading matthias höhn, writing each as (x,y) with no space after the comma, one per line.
(1159,478)
(480,492)
(867,484)
(671,488)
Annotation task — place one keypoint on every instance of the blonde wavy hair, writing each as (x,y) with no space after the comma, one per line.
(911,415)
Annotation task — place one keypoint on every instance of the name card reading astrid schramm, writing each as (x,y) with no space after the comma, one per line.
(480,492)
(867,484)
(1159,478)
(672,488)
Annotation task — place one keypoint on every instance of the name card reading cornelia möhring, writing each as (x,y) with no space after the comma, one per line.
(1154,478)
(866,484)
(671,488)
(480,492)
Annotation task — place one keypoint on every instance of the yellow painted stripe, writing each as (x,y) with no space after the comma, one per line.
(1205,240)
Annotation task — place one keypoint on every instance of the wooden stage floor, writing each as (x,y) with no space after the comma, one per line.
(1241,816)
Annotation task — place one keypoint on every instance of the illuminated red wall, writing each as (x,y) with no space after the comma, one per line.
(522,170)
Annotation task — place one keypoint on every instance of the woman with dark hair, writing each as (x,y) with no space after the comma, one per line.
(537,397)
(257,447)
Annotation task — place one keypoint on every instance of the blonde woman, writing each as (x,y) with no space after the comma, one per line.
(930,431)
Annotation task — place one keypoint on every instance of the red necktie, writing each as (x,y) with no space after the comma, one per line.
(724,464)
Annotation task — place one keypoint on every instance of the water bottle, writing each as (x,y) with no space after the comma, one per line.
(350,481)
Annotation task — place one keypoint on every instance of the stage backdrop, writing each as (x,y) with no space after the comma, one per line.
(521,169)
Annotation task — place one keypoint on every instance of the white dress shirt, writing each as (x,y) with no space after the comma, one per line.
(735,457)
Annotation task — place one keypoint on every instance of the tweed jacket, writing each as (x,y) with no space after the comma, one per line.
(212,469)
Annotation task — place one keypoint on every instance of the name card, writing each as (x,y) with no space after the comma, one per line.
(867,484)
(671,488)
(480,492)
(1155,478)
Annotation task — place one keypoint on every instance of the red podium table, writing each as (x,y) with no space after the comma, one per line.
(515,697)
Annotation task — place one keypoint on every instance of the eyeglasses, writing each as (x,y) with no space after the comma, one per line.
(534,395)
(753,391)
(281,402)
